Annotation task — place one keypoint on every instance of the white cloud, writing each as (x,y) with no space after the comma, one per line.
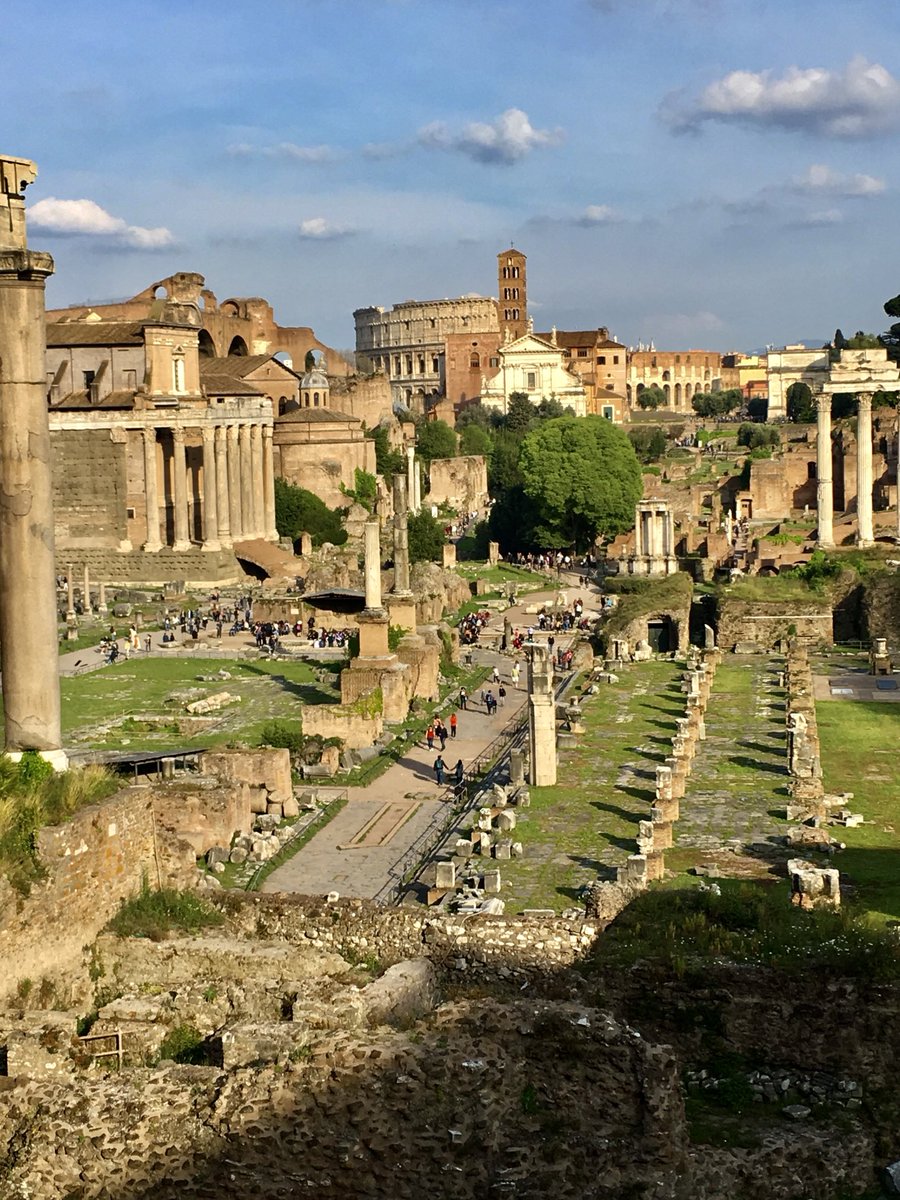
(320,229)
(824,216)
(599,214)
(85,218)
(823,180)
(506,139)
(288,150)
(861,100)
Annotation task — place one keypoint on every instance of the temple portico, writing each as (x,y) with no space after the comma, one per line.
(654,540)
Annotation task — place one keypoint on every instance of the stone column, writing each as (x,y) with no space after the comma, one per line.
(70,594)
(28,630)
(247,524)
(401,537)
(373,564)
(417,481)
(179,491)
(210,492)
(865,535)
(411,477)
(222,499)
(86,591)
(268,474)
(824,495)
(234,482)
(638,532)
(151,490)
(101,601)
(256,480)
(541,719)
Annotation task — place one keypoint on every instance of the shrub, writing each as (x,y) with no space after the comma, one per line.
(184,1044)
(156,914)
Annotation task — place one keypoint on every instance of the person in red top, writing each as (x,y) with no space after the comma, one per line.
(453,725)
(429,736)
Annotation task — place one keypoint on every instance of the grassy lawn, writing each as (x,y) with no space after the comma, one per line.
(588,821)
(860,742)
(109,709)
(504,573)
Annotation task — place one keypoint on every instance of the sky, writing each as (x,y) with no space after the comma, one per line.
(718,174)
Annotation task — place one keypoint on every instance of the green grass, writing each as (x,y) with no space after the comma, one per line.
(859,746)
(774,588)
(93,705)
(747,923)
(503,573)
(156,914)
(588,820)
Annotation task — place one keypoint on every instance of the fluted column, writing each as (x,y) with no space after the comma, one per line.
(824,494)
(179,491)
(271,531)
(210,492)
(638,533)
(222,502)
(865,532)
(247,525)
(151,490)
(234,482)
(256,480)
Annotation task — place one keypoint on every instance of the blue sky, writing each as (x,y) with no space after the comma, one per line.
(705,173)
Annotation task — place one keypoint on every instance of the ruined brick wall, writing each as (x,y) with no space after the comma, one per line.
(366,397)
(93,862)
(460,482)
(90,488)
(766,622)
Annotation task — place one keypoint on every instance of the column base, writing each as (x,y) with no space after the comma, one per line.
(151,547)
(865,543)
(181,547)
(58,759)
(211,546)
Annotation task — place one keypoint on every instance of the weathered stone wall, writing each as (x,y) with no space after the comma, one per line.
(366,397)
(89,488)
(460,482)
(93,862)
(766,622)
(355,729)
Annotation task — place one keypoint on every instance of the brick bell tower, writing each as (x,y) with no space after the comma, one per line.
(512,293)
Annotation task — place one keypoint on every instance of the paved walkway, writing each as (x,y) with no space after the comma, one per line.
(321,866)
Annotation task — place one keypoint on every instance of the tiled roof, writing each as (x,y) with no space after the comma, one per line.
(320,415)
(81,400)
(95,333)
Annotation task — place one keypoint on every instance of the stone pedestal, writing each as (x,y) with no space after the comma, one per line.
(28,633)
(373,634)
(448,552)
(541,719)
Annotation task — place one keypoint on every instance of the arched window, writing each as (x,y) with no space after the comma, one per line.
(668,391)
(667,375)
(315,399)
(474,362)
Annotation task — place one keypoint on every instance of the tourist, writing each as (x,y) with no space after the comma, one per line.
(463,698)
(501,692)
(515,675)
(459,776)
(439,767)
(495,674)
(429,736)
(440,732)
(453,725)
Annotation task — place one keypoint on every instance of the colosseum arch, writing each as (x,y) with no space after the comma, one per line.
(238,348)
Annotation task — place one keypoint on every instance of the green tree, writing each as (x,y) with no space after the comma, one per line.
(584,477)
(513,519)
(520,413)
(310,361)
(649,442)
(651,397)
(550,408)
(298,510)
(388,461)
(477,414)
(475,439)
(755,436)
(801,407)
(435,439)
(426,537)
(717,404)
(503,469)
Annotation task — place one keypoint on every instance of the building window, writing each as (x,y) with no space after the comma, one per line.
(421,366)
(615,360)
(678,358)
(494,361)
(515,293)
(601,359)
(89,377)
(474,362)
(532,381)
(435,364)
(608,411)
(515,313)
(315,399)
(667,375)
(582,352)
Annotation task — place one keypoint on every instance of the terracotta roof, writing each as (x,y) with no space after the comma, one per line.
(318,415)
(222,384)
(95,333)
(580,337)
(239,365)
